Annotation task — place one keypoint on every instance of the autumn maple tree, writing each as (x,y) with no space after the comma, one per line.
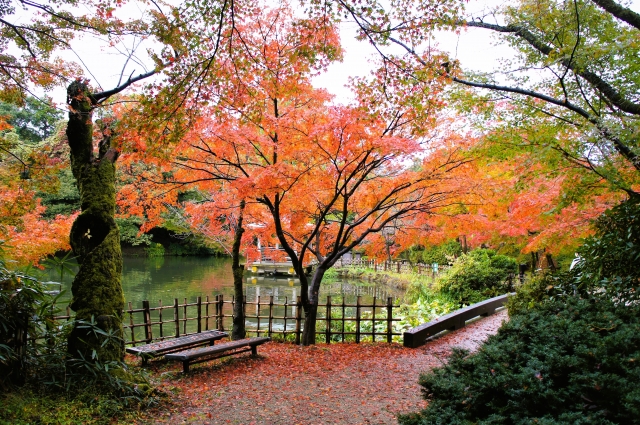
(25,169)
(233,143)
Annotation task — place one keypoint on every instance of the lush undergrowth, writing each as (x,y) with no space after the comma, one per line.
(473,277)
(30,407)
(41,382)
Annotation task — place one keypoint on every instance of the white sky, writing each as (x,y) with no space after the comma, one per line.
(474,48)
(103,64)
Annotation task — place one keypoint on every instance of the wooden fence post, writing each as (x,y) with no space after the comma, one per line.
(215,313)
(298,319)
(399,264)
(160,319)
(206,313)
(176,316)
(284,329)
(148,335)
(184,317)
(221,312)
(199,306)
(270,326)
(389,319)
(258,316)
(358,319)
(133,335)
(328,319)
(343,313)
(373,321)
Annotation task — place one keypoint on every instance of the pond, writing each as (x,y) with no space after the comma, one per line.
(167,278)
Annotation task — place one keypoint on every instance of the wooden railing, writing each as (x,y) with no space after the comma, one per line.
(417,336)
(263,317)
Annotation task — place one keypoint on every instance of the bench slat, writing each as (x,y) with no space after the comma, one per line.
(195,353)
(175,344)
(203,354)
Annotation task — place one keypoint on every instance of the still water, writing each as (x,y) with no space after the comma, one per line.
(167,278)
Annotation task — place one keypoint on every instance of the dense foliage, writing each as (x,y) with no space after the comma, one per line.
(478,275)
(444,253)
(569,353)
(33,122)
(568,361)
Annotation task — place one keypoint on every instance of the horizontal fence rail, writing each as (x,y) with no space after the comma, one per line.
(336,321)
(393,266)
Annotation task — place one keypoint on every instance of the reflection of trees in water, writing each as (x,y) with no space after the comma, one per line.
(288,288)
(166,278)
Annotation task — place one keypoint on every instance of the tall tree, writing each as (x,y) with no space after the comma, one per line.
(347,181)
(260,93)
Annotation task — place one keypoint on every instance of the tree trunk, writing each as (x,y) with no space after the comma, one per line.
(238,331)
(311,312)
(95,239)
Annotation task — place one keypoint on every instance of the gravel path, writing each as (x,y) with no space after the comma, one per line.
(323,384)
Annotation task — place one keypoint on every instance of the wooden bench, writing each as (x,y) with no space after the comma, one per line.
(203,354)
(156,349)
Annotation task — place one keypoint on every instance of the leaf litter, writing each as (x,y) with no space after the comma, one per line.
(341,383)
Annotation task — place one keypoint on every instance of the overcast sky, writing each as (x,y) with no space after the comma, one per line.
(475,48)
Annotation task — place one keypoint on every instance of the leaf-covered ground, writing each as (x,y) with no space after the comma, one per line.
(323,384)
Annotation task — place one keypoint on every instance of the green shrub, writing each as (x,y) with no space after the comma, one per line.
(609,262)
(445,253)
(129,232)
(567,361)
(22,301)
(155,250)
(534,291)
(478,275)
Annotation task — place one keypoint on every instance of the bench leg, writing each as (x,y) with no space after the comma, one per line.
(254,350)
(185,366)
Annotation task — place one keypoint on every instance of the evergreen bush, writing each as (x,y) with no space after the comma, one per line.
(478,275)
(568,361)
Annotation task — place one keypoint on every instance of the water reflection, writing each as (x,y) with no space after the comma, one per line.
(167,278)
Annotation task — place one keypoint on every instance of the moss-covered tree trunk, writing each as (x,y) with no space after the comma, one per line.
(238,331)
(97,289)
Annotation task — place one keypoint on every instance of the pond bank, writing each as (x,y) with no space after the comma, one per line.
(400,281)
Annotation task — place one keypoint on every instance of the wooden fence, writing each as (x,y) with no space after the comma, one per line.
(336,321)
(392,266)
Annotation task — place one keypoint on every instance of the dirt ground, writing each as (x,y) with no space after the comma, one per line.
(324,384)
